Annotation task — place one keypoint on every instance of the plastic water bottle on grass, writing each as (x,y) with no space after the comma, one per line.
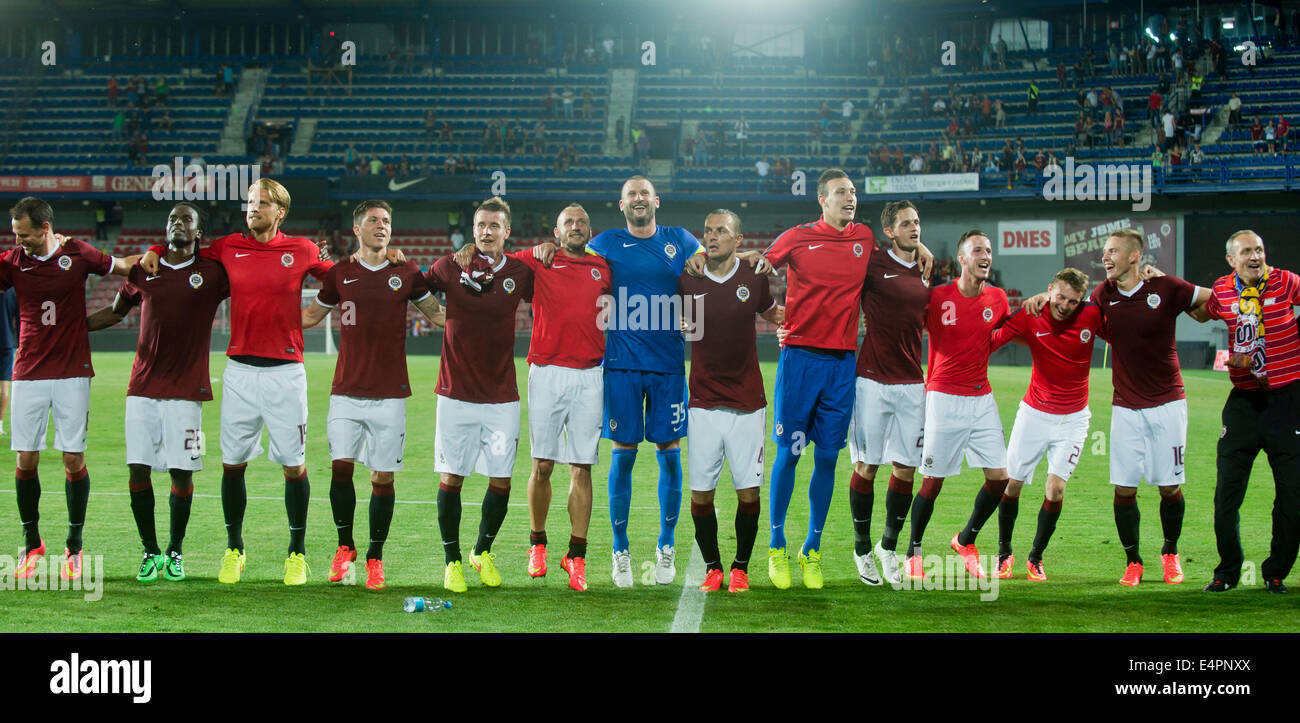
(425,605)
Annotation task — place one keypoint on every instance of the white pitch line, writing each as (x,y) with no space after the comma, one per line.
(690,606)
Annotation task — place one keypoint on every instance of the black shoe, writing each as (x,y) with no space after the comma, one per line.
(1275,585)
(1218,585)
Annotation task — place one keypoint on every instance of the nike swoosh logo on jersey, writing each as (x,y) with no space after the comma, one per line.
(239,255)
(557,266)
(1042,333)
(348,281)
(627,245)
(151,278)
(26,268)
(699,296)
(890,276)
(811,247)
(1113,303)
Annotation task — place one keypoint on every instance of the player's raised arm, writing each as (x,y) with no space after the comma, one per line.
(1198,309)
(122,266)
(1010,331)
(776,314)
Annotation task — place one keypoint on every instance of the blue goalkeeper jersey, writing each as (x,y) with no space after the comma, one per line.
(643,332)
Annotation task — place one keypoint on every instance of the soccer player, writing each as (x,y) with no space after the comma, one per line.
(728,410)
(264,384)
(645,369)
(889,397)
(961,416)
(169,381)
(1052,420)
(478,399)
(814,378)
(565,385)
(1257,302)
(367,417)
(1148,425)
(52,370)
(8,315)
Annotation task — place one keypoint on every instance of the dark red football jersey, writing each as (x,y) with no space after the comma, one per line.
(894,300)
(823,283)
(566,303)
(724,360)
(961,331)
(371,303)
(53,341)
(176,310)
(1062,352)
(265,291)
(1141,326)
(478,360)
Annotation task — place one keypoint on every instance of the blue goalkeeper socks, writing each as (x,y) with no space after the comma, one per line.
(670,494)
(620,494)
(783,469)
(820,490)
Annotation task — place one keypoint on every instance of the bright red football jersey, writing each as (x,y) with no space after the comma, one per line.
(827,269)
(1062,352)
(566,303)
(961,335)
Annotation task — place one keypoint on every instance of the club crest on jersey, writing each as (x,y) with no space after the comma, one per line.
(742,292)
(670,250)
(65,262)
(1085,335)
(196,280)
(1153,301)
(857,251)
(1236,307)
(286,260)
(779,429)
(595,274)
(509,286)
(613,424)
(988,314)
(1223,432)
(394,282)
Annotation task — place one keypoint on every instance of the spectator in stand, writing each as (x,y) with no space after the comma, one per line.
(1060,73)
(1283,134)
(1001,47)
(390,169)
(561,160)
(1112,55)
(742,132)
(1040,161)
(1052,162)
(119,125)
(946,157)
(228,79)
(113,90)
(701,148)
(1021,165)
(939,107)
(444,131)
(449,166)
(688,151)
(1000,115)
(430,123)
(587,104)
(1154,103)
(1234,109)
(1178,65)
(764,170)
(566,98)
(457,238)
(1157,158)
(815,139)
(160,91)
(1176,155)
(896,163)
(376,166)
(1257,135)
(548,103)
(1270,137)
(539,138)
(846,113)
(1198,156)
(588,55)
(917,164)
(404,167)
(165,122)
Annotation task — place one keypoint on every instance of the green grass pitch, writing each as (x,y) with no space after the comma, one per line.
(1083,562)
